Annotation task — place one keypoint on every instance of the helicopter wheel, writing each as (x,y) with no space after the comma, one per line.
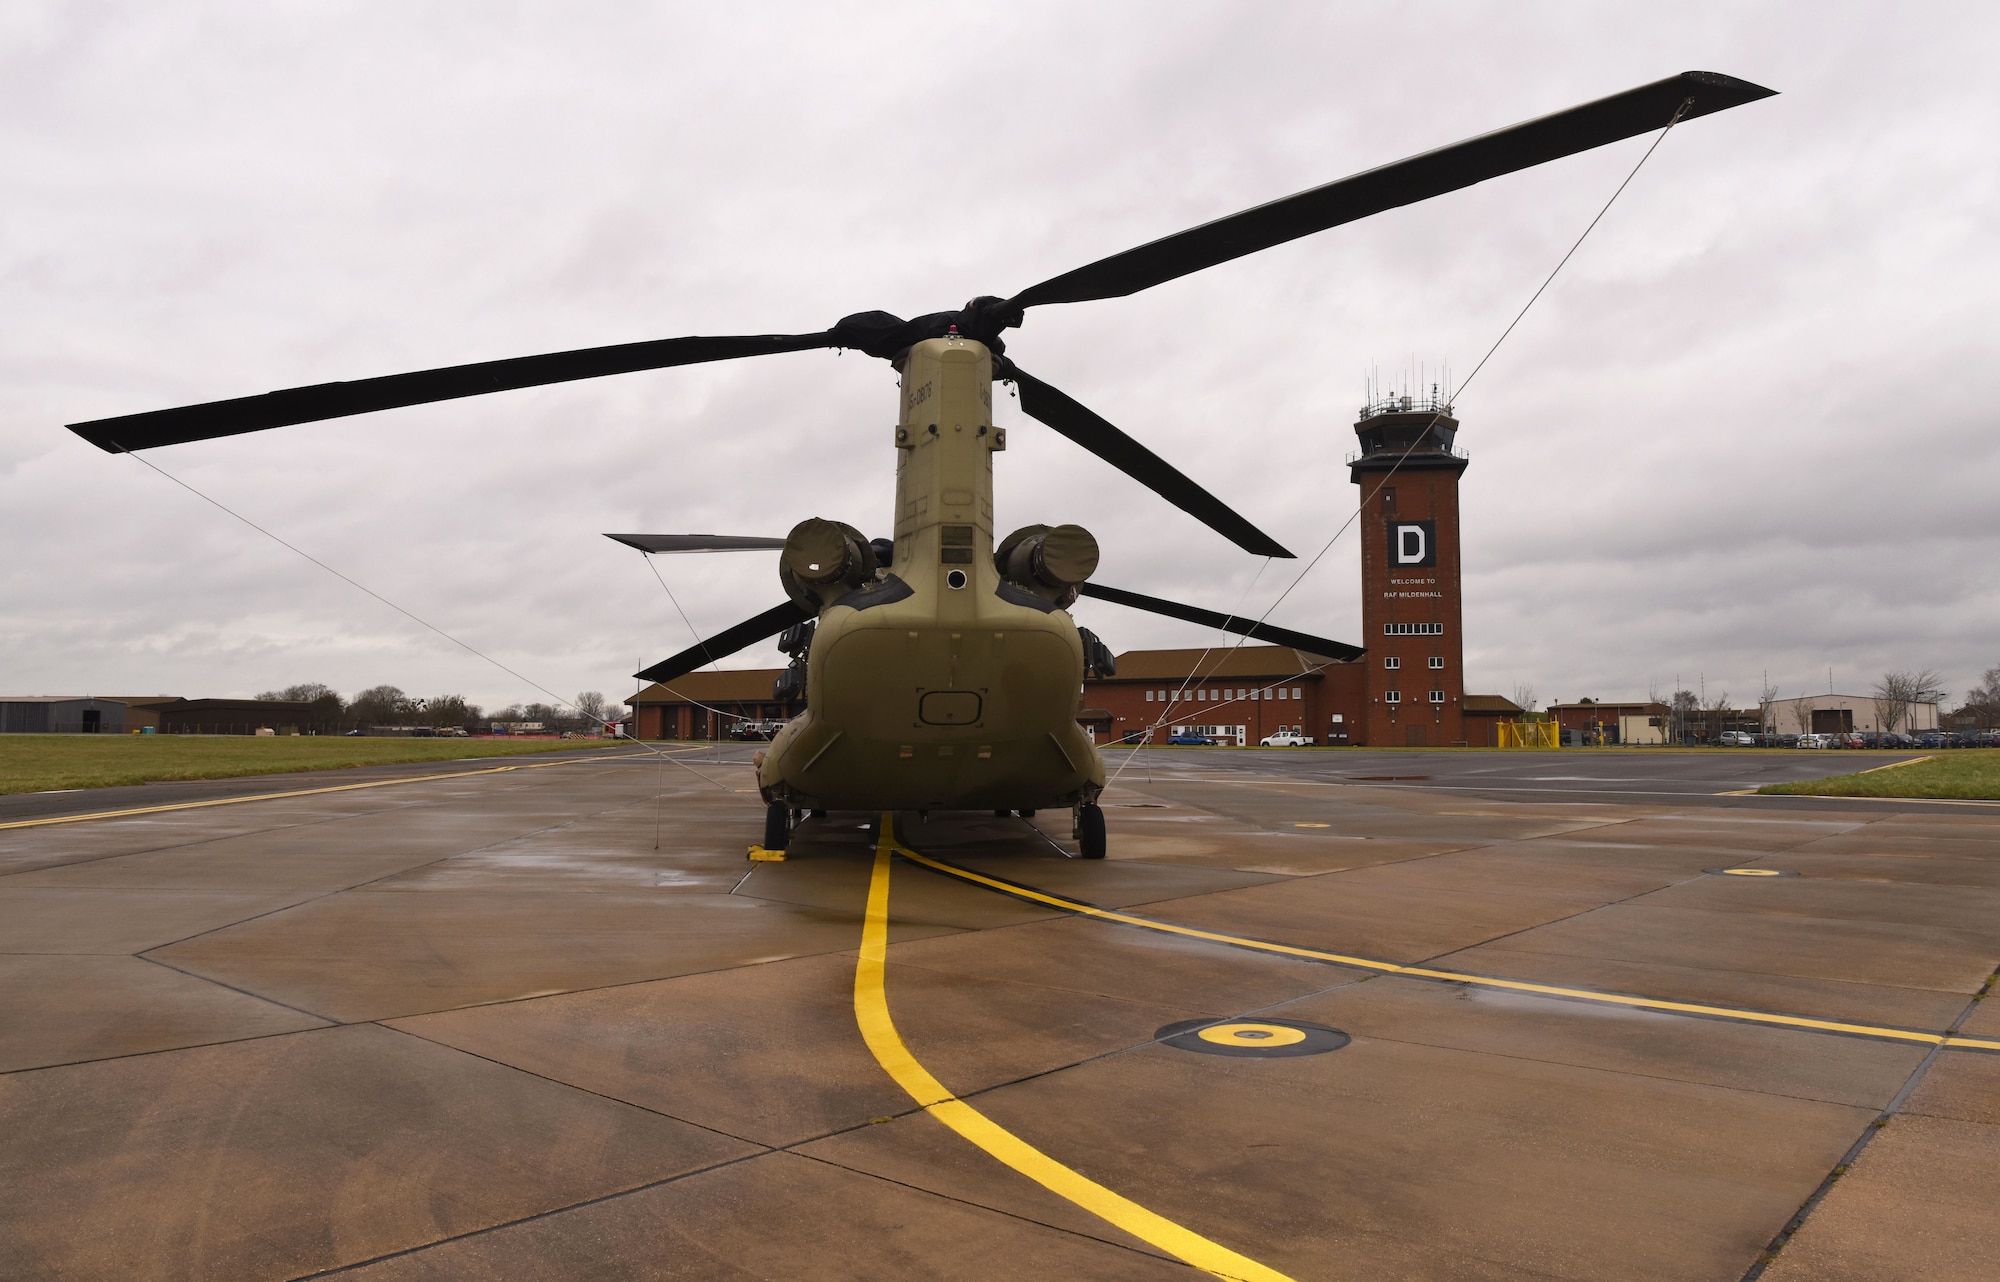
(777,826)
(1090,832)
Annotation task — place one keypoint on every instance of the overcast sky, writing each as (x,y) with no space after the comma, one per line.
(1750,429)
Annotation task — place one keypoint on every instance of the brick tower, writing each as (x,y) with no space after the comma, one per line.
(1408,474)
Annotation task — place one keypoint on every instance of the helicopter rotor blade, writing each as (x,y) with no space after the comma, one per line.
(1093,432)
(725,643)
(696,542)
(1227,622)
(338,400)
(1405,182)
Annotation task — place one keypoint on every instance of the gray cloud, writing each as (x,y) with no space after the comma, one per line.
(1749,429)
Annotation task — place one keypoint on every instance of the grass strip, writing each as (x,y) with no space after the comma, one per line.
(1966,774)
(49,762)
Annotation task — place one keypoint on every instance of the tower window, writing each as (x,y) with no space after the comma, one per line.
(1413,629)
(1392,663)
(1392,696)
(1437,696)
(1297,693)
(1437,661)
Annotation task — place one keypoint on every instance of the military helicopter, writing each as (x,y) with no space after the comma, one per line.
(942,670)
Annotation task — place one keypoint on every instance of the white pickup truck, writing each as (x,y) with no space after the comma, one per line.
(1285,739)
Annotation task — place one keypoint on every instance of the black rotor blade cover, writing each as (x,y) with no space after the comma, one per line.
(725,643)
(338,400)
(696,542)
(1227,622)
(1090,430)
(1534,142)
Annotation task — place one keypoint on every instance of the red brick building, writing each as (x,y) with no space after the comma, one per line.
(1236,694)
(705,705)
(1408,690)
(1407,473)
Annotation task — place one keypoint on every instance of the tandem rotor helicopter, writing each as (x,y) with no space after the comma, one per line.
(941,669)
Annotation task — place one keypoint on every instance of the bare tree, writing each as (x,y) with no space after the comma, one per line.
(1892,701)
(1685,705)
(1983,700)
(1926,686)
(1898,693)
(1802,711)
(591,707)
(1524,695)
(1767,721)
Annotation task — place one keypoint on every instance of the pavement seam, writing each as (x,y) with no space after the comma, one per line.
(1791,1227)
(209,979)
(582,1090)
(1147,1251)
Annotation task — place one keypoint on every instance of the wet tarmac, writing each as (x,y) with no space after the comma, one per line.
(1320,1015)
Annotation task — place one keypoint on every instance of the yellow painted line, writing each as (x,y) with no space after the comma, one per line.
(1082,909)
(46,820)
(871,1012)
(1894,765)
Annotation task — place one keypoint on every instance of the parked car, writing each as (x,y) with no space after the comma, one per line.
(1811,741)
(1285,739)
(1736,739)
(1186,740)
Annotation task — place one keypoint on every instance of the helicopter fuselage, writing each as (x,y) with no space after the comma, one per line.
(938,685)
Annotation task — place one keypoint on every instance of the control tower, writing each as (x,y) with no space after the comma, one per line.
(1407,470)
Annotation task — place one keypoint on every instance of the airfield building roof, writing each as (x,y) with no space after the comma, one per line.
(1220,661)
(740,685)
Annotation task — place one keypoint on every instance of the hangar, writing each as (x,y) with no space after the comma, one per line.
(60,714)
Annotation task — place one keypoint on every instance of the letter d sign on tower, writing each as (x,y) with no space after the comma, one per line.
(1408,474)
(1412,543)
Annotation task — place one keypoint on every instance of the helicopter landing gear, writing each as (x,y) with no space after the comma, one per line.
(777,826)
(1025,814)
(1089,831)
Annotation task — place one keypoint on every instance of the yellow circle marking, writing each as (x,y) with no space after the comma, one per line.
(1252,1035)
(1312,825)
(1750,872)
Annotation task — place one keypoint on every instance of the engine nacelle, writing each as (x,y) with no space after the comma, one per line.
(823,560)
(1048,561)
